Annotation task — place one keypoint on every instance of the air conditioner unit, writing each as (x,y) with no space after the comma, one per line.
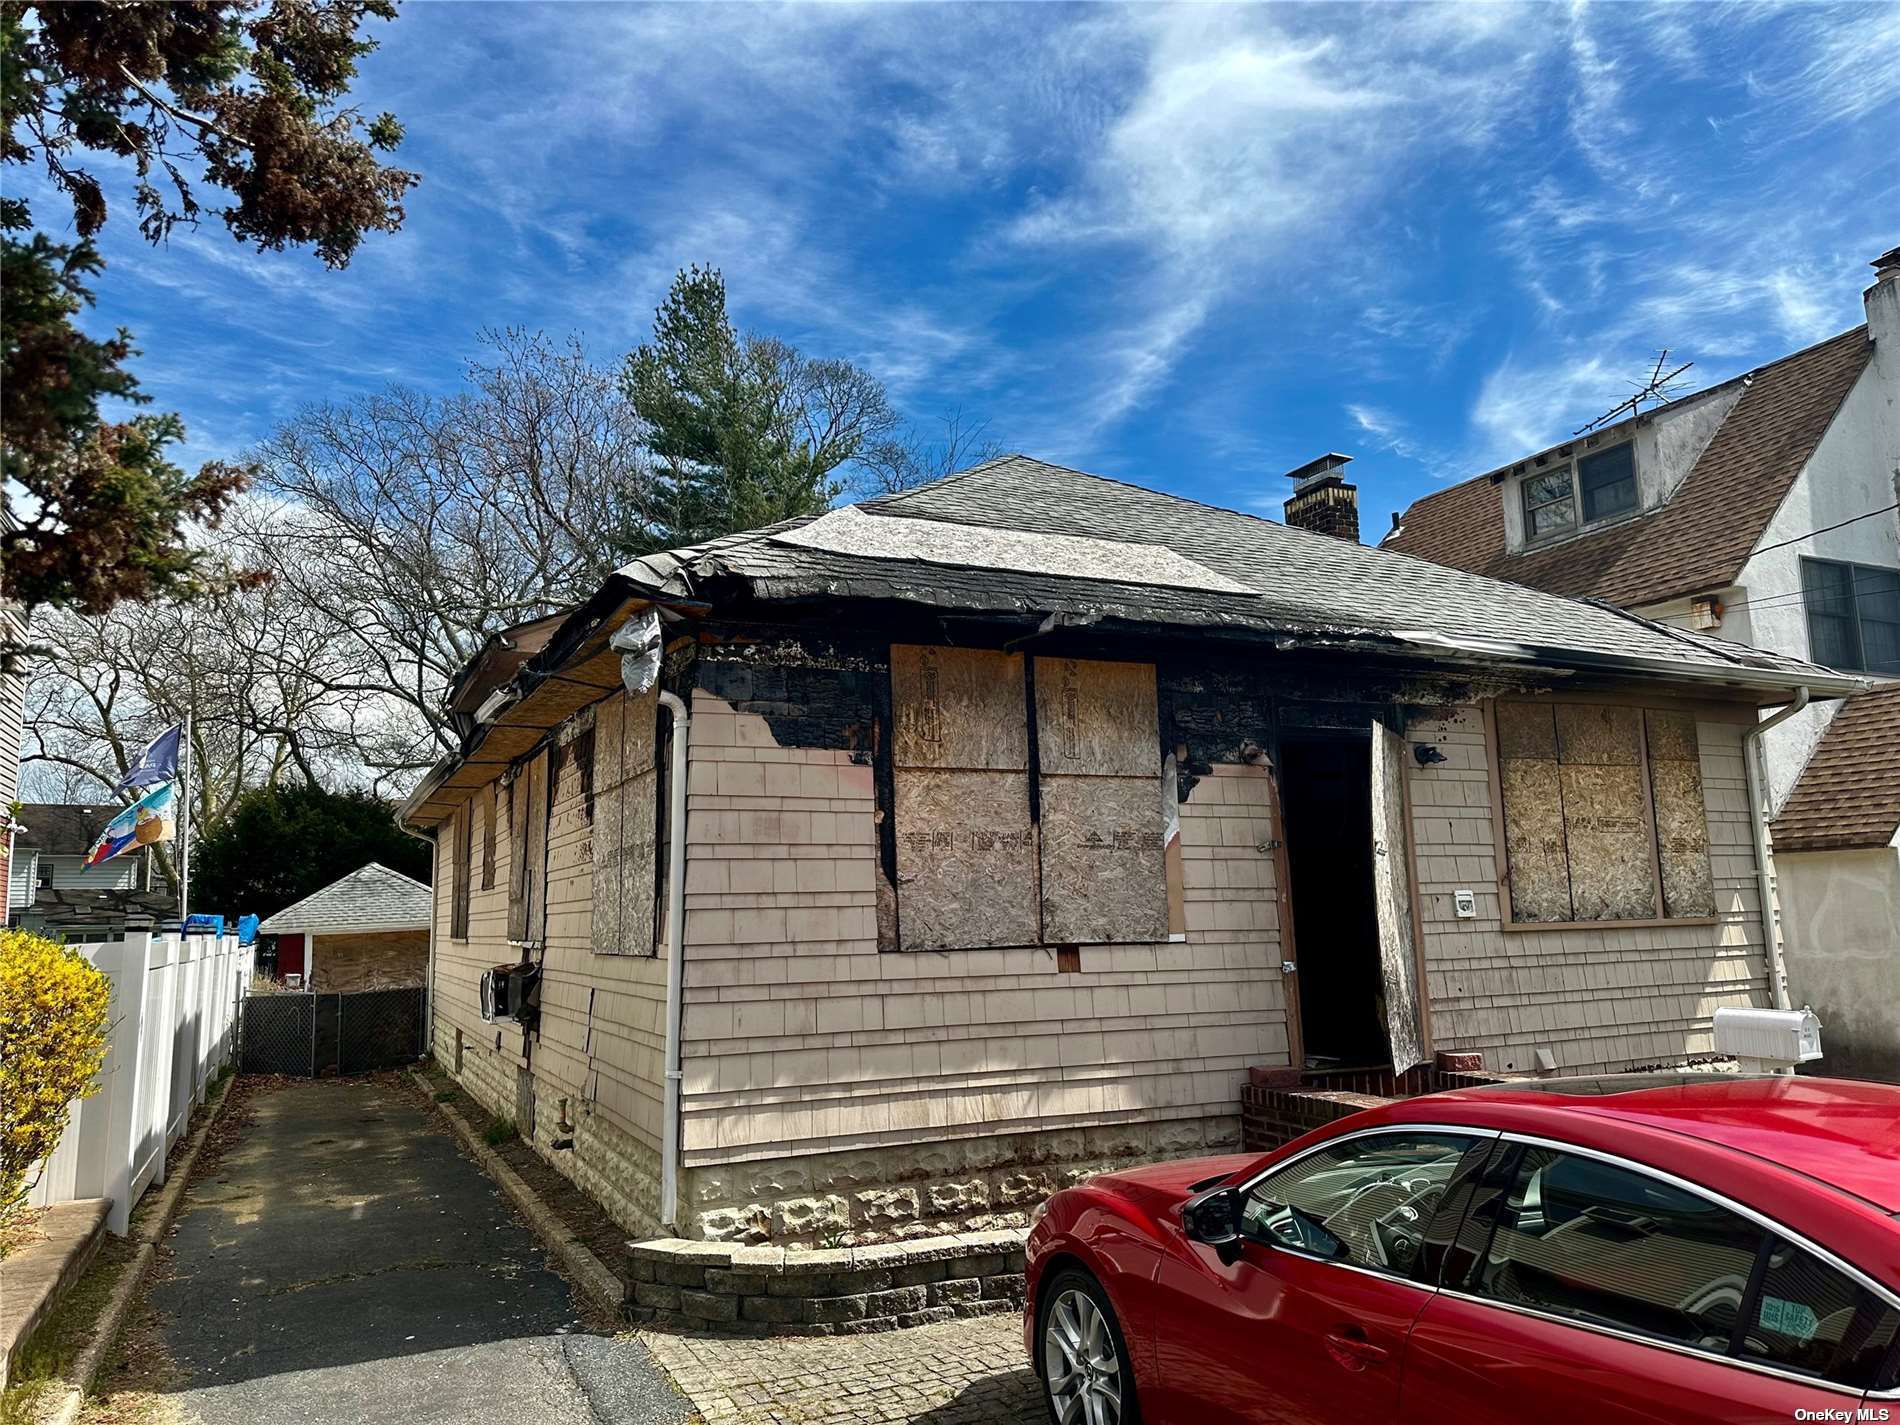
(510,992)
(1768,1038)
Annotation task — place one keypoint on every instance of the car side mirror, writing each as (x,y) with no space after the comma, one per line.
(1213,1219)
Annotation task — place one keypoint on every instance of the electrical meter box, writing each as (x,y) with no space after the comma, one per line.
(1769,1036)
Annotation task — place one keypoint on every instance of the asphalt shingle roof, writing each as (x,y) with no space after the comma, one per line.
(373,898)
(63,828)
(1699,539)
(1849,793)
(1294,581)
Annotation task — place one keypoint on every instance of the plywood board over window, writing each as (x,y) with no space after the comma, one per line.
(1606,812)
(1103,825)
(624,825)
(458,872)
(1602,814)
(1534,812)
(966,850)
(528,841)
(488,837)
(1682,816)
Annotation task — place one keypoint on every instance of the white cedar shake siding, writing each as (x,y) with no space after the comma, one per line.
(1598,998)
(831,1088)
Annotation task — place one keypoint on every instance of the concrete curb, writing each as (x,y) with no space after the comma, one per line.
(38,1275)
(147,1235)
(589,1272)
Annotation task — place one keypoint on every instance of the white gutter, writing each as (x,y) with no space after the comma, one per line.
(675,962)
(1754,762)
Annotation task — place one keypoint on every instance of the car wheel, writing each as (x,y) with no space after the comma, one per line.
(1086,1377)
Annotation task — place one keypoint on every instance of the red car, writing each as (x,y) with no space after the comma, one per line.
(1676,1248)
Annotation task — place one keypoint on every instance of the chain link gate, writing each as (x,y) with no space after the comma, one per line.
(307,1035)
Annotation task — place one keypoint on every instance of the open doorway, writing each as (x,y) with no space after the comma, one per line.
(1326,811)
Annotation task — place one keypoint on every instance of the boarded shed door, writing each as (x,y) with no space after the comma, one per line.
(1392,896)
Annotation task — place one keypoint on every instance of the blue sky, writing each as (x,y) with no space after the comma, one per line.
(1189,246)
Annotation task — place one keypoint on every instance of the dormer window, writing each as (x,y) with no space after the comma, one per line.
(1593,488)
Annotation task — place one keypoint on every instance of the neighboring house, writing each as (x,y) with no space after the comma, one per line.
(1018,816)
(1761,509)
(367,931)
(50,887)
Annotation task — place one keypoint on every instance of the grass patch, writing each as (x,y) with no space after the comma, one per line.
(500,1132)
(446,1096)
(54,1349)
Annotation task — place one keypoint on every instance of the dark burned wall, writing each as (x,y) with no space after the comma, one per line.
(818,688)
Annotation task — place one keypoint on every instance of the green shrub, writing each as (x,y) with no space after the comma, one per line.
(499,1132)
(52,1043)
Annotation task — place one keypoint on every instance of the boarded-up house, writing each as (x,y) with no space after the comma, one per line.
(1016,817)
(367,931)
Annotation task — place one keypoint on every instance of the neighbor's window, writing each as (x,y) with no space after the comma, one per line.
(626,803)
(1603,811)
(1595,487)
(1027,800)
(1853,615)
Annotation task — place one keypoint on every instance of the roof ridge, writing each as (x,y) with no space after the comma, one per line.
(1751,372)
(892,496)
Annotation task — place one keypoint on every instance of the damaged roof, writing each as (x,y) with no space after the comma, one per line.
(1697,541)
(1263,577)
(1849,793)
(1022,537)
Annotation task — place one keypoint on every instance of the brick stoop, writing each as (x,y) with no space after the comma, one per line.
(730,1290)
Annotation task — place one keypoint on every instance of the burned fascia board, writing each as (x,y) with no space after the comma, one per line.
(575,668)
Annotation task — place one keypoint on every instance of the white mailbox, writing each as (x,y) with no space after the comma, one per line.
(1768,1037)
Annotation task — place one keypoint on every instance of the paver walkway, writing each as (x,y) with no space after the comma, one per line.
(960,1373)
(343,1262)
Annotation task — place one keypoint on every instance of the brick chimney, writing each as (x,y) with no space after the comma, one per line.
(1322,500)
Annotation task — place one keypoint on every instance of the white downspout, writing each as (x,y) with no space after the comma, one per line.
(675,962)
(1755,764)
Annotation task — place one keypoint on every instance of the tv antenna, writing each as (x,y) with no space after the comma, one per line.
(1659,388)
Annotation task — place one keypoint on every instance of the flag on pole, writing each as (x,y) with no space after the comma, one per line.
(157,763)
(146,822)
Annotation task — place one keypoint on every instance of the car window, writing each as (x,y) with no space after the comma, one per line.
(1580,1237)
(1364,1200)
(1810,1316)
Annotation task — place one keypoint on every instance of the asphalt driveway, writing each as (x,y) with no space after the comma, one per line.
(343,1262)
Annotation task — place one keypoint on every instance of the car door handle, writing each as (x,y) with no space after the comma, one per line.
(1348,1345)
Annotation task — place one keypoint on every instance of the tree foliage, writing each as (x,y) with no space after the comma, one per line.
(281,843)
(745,430)
(53,1029)
(247,94)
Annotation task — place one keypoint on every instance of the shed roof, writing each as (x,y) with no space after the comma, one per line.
(372,898)
(1849,793)
(1699,539)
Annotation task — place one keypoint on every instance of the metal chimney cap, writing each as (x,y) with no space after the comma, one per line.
(1326,464)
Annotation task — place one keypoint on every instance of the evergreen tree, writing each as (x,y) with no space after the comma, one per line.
(283,842)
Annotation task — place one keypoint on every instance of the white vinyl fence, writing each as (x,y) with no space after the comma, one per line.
(176,1005)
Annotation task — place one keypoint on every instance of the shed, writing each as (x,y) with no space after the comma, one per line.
(368,931)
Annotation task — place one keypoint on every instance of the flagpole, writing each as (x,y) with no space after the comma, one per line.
(184,825)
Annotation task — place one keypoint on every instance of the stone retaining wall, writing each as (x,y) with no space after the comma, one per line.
(759,1291)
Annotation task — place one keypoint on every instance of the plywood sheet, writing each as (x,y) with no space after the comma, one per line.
(966,859)
(1534,839)
(609,861)
(1606,831)
(1527,730)
(636,811)
(1682,820)
(1590,734)
(1097,718)
(958,707)
(1103,877)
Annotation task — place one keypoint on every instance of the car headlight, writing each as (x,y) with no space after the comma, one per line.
(1038,1212)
